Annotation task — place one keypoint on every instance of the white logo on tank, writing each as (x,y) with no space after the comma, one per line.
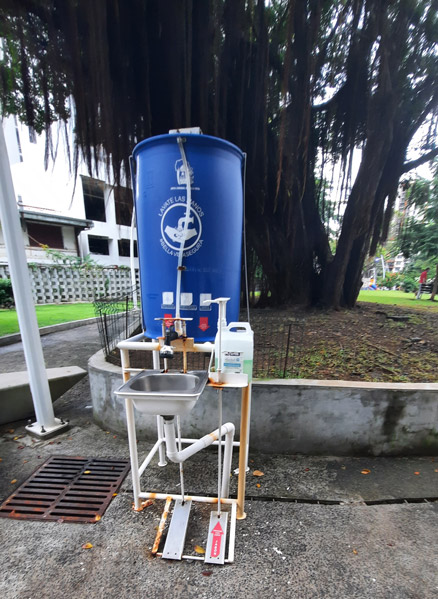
(180,226)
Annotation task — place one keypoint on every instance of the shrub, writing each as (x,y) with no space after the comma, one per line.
(6,295)
(409,285)
(391,280)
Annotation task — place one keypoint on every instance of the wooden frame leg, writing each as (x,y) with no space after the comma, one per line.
(243,451)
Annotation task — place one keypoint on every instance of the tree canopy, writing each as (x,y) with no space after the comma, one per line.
(418,233)
(300,85)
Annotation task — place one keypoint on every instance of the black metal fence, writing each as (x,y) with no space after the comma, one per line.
(277,352)
(118,319)
(277,346)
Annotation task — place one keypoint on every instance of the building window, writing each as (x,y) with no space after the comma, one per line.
(98,245)
(49,235)
(124,248)
(94,199)
(123,203)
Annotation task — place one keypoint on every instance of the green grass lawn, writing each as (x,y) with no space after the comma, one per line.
(46,315)
(398,298)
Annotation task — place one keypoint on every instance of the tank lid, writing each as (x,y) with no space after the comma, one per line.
(192,139)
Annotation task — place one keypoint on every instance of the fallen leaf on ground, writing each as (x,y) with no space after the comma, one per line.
(207,573)
(258,485)
(13,481)
(87,472)
(87,546)
(199,549)
(258,473)
(365,471)
(97,517)
(416,473)
(436,470)
(355,551)
(115,494)
(11,430)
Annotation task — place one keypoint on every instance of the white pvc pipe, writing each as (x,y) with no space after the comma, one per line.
(33,352)
(134,343)
(160,432)
(139,345)
(198,498)
(160,429)
(186,441)
(181,468)
(147,461)
(186,224)
(156,360)
(132,440)
(231,542)
(181,456)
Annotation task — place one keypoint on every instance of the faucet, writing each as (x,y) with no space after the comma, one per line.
(169,335)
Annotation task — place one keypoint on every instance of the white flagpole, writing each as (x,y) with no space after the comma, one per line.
(46,423)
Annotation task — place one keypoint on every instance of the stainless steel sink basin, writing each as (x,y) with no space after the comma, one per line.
(165,393)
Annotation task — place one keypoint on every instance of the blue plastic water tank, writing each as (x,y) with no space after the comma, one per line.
(213,238)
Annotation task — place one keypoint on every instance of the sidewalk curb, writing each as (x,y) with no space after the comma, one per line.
(54,328)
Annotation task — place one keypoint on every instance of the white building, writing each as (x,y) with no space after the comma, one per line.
(75,216)
(399,263)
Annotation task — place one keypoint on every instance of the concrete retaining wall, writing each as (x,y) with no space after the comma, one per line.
(299,416)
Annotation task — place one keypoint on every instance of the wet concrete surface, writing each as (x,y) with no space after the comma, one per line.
(289,545)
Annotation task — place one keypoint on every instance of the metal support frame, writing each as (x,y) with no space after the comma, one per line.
(237,505)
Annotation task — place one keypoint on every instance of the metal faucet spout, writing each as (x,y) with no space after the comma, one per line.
(169,335)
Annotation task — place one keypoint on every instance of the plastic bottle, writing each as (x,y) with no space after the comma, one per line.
(237,348)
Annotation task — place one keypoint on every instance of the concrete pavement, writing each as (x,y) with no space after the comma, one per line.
(315,527)
(71,347)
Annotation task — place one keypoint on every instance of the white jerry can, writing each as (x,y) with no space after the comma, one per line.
(237,347)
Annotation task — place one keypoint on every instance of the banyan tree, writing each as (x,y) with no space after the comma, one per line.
(325,97)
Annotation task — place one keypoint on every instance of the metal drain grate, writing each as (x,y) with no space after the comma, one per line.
(74,489)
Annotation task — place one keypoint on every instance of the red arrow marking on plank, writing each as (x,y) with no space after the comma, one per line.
(203,323)
(217,533)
